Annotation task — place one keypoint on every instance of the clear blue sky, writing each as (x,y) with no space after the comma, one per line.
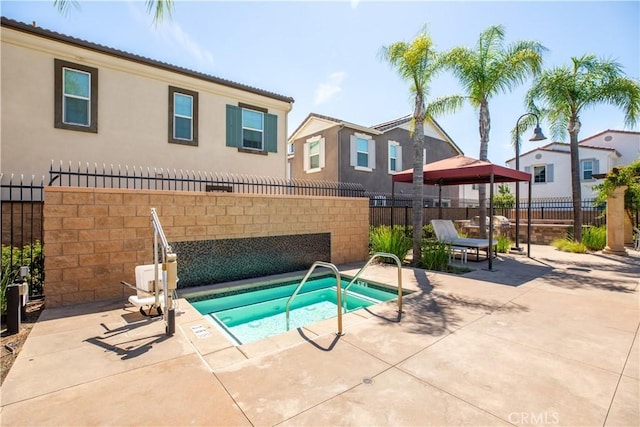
(325,54)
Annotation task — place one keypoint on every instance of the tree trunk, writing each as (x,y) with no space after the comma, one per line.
(576,191)
(484,128)
(418,180)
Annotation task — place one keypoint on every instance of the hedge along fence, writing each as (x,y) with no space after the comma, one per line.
(94,237)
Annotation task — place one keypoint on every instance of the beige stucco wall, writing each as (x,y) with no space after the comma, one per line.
(132,115)
(94,238)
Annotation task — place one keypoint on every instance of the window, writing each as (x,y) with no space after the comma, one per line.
(291,149)
(378,201)
(395,157)
(445,203)
(76,97)
(183,116)
(314,154)
(541,173)
(363,152)
(252,129)
(588,168)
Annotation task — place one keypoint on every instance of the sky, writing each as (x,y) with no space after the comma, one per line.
(325,54)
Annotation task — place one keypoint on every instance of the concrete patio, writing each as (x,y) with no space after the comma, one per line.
(549,340)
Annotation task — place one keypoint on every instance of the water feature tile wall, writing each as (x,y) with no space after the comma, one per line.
(205,262)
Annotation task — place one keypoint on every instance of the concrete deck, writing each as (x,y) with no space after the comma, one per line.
(551,340)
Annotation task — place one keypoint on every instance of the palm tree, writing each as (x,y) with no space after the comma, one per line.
(417,62)
(158,7)
(490,69)
(562,93)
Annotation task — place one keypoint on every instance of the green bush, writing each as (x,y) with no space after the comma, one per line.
(12,259)
(435,255)
(504,244)
(595,238)
(390,240)
(566,245)
(428,232)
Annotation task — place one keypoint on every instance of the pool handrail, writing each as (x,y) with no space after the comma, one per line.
(364,267)
(338,290)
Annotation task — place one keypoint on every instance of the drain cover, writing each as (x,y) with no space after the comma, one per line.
(367,381)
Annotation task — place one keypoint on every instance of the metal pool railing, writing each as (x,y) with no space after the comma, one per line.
(338,290)
(364,267)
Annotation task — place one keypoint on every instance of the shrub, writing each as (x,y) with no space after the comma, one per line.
(566,245)
(427,232)
(595,238)
(435,255)
(504,244)
(390,240)
(12,259)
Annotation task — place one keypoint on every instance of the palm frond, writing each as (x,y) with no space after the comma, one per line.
(158,8)
(444,105)
(63,6)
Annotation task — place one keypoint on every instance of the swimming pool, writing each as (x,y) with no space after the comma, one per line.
(250,314)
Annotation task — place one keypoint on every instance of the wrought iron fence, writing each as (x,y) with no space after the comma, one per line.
(22,200)
(21,233)
(110,176)
(545,210)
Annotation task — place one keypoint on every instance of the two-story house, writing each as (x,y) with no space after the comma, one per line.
(66,99)
(330,149)
(550,164)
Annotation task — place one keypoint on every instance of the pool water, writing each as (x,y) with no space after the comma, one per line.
(255,314)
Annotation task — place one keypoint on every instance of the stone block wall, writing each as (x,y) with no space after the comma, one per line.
(94,238)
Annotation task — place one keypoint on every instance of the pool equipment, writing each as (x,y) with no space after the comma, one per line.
(169,272)
(156,283)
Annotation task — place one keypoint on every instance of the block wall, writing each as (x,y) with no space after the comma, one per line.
(94,238)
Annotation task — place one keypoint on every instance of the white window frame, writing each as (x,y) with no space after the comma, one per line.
(397,158)
(252,129)
(66,95)
(371,152)
(594,169)
(307,155)
(176,115)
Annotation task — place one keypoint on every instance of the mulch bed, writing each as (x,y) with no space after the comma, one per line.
(12,344)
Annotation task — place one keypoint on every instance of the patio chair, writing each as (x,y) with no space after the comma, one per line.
(636,236)
(446,232)
(145,296)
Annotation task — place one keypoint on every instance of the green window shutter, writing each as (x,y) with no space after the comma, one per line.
(234,126)
(271,133)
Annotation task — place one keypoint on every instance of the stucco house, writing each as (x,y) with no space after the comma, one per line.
(330,149)
(550,164)
(68,99)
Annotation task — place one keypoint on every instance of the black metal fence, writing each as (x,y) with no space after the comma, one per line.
(21,202)
(180,180)
(543,210)
(21,233)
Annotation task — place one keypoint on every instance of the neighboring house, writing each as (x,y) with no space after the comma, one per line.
(329,149)
(550,164)
(66,99)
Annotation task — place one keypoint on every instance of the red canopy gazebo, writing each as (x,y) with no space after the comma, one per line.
(461,170)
